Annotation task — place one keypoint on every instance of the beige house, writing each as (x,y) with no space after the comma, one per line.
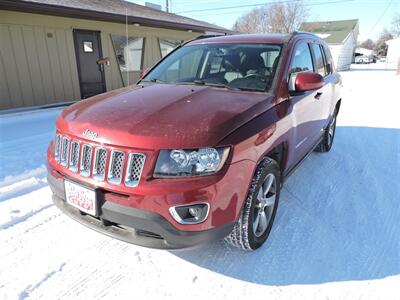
(54,51)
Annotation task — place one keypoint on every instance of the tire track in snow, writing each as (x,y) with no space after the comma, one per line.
(29,289)
(17,220)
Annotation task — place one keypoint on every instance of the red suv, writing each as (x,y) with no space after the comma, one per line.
(199,148)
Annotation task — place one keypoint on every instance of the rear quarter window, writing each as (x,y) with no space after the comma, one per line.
(319,59)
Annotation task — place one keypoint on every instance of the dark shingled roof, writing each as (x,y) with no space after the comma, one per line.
(110,10)
(337,31)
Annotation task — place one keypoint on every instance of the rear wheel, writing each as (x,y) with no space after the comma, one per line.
(329,134)
(258,214)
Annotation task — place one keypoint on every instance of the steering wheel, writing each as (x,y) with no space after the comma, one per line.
(256,76)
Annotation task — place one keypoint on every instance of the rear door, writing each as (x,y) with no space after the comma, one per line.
(90,68)
(323,96)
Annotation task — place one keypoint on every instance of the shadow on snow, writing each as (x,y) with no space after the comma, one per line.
(337,219)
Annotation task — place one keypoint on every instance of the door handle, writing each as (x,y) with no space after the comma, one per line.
(318,95)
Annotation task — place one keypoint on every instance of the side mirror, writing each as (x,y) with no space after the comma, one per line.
(305,81)
(144,72)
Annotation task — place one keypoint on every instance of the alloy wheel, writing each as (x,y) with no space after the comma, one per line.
(264,205)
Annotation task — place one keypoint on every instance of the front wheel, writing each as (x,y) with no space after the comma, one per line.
(258,214)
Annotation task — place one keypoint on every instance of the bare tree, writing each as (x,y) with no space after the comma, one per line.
(367,44)
(281,17)
(380,46)
(396,24)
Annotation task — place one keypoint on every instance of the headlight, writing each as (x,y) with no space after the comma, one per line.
(180,163)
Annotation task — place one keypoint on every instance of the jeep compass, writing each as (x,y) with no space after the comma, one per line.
(199,148)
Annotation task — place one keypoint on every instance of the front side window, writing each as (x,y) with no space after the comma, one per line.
(237,66)
(319,59)
(302,60)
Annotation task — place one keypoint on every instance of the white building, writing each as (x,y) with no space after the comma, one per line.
(364,51)
(393,53)
(341,37)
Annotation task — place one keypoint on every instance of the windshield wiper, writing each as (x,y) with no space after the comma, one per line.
(214,84)
(154,80)
(248,90)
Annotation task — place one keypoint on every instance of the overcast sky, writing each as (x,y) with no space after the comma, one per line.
(374,15)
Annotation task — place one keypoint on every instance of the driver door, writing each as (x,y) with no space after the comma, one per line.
(306,109)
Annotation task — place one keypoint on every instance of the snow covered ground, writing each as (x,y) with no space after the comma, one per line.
(336,235)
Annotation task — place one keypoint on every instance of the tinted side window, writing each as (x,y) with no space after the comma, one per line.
(328,58)
(319,59)
(302,60)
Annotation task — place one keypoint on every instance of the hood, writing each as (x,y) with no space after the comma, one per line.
(163,116)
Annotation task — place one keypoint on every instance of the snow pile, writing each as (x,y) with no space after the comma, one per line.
(24,140)
(336,236)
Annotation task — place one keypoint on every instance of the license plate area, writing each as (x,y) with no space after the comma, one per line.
(81,197)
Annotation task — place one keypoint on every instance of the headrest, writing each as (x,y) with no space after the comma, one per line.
(251,62)
(231,62)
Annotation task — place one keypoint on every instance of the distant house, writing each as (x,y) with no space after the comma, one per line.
(393,53)
(55,51)
(341,37)
(363,51)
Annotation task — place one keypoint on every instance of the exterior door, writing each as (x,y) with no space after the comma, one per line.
(324,94)
(90,63)
(306,109)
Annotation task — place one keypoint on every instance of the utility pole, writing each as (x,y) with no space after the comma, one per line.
(167,5)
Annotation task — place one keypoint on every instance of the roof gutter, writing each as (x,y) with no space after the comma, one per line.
(63,11)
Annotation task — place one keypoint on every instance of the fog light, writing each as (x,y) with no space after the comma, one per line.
(195,211)
(190,214)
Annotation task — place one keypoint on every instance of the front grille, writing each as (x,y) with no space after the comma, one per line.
(64,151)
(99,167)
(74,156)
(86,160)
(57,146)
(116,167)
(134,169)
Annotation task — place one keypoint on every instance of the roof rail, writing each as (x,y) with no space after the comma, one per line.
(294,33)
(302,32)
(203,36)
(206,36)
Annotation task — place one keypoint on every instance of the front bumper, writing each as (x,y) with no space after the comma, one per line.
(134,225)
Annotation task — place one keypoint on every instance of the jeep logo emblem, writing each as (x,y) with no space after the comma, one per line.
(90,134)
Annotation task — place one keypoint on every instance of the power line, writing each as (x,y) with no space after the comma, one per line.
(229,7)
(380,18)
(260,4)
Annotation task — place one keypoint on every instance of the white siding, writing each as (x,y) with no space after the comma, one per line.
(393,54)
(344,53)
(335,51)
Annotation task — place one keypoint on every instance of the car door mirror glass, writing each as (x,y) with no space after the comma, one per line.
(292,82)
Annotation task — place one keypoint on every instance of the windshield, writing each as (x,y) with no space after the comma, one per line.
(248,67)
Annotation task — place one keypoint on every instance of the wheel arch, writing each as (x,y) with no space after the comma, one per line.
(337,106)
(278,153)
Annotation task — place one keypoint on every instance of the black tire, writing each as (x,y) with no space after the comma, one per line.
(243,234)
(328,136)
